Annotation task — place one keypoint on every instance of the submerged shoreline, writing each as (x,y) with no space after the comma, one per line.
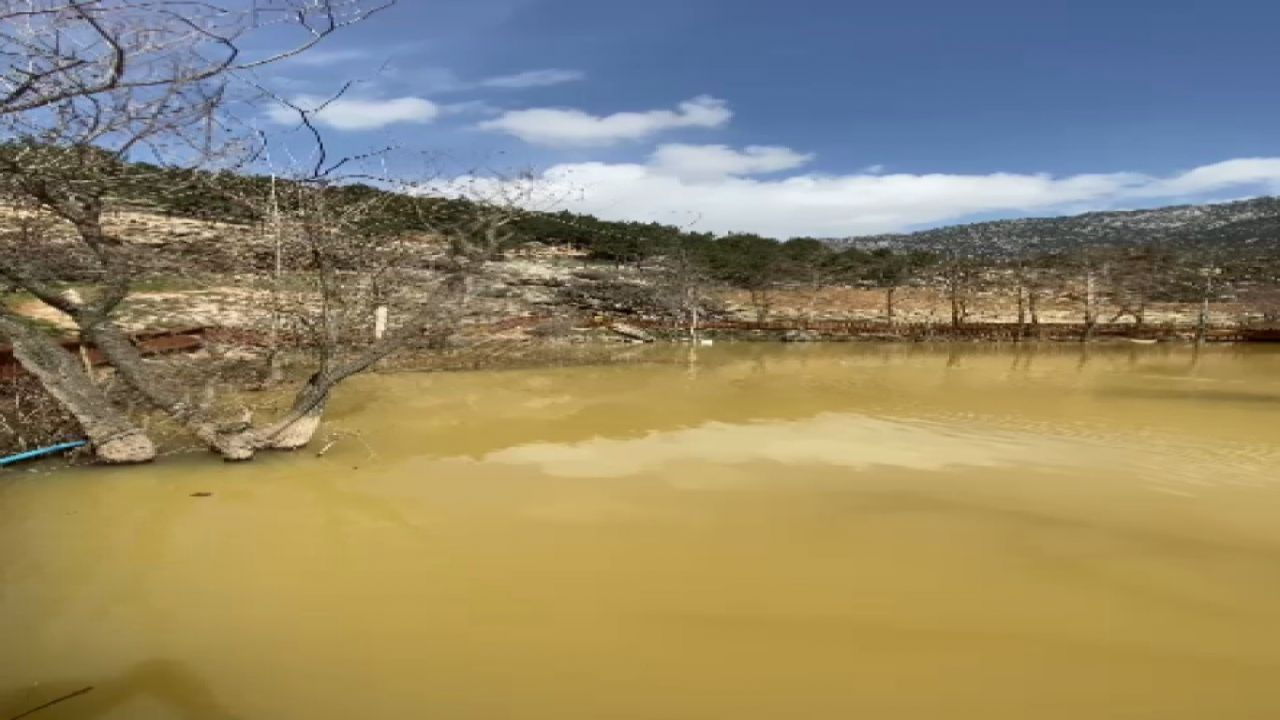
(605,349)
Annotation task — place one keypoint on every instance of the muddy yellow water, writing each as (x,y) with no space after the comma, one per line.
(770,532)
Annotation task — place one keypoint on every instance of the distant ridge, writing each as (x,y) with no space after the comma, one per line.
(1240,226)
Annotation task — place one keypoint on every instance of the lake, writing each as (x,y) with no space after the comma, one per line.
(763,531)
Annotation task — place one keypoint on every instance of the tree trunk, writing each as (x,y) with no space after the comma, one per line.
(957,301)
(762,302)
(128,361)
(1202,322)
(1033,309)
(114,438)
(1090,309)
(299,425)
(1022,313)
(380,316)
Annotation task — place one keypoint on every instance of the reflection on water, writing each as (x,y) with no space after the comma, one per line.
(165,684)
(833,439)
(774,532)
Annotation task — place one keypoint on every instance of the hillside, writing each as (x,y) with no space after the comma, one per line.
(1246,226)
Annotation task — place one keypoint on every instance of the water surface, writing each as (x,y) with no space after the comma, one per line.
(842,531)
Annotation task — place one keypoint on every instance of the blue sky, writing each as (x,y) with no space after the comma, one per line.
(818,116)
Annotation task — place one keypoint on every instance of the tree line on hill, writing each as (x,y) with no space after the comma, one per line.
(1124,271)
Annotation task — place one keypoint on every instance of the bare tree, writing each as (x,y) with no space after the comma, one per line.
(69,184)
(1034,284)
(891,271)
(684,285)
(959,279)
(85,87)
(1090,297)
(1210,275)
(369,292)
(354,292)
(57,51)
(1087,285)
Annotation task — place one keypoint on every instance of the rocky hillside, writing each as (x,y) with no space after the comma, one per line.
(1246,226)
(195,272)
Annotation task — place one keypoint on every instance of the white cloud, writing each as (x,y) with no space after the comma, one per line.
(436,80)
(569,127)
(359,113)
(534,78)
(427,80)
(862,203)
(469,107)
(710,162)
(1219,176)
(324,57)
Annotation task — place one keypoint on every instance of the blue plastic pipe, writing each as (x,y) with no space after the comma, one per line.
(31,454)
